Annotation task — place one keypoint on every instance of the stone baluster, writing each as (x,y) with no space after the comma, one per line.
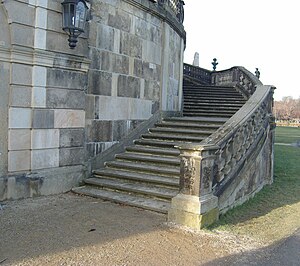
(195,205)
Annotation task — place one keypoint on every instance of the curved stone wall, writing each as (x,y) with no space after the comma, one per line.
(66,106)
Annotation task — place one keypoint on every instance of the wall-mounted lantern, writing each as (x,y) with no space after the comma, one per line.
(75,13)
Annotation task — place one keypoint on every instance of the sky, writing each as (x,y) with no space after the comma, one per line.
(261,34)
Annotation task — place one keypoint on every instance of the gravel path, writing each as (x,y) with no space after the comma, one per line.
(73,230)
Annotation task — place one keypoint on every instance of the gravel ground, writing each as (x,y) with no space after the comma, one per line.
(72,230)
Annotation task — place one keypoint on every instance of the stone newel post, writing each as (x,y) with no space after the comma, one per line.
(195,206)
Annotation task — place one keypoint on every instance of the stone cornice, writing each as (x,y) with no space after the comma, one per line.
(28,56)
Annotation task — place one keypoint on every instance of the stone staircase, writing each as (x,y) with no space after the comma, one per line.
(147,174)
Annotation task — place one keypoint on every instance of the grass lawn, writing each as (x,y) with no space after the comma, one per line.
(274,212)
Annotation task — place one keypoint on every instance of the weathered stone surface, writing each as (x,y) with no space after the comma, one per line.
(116,63)
(146,70)
(43,118)
(100,82)
(19,139)
(19,118)
(38,97)
(122,108)
(45,138)
(105,37)
(120,20)
(128,86)
(39,75)
(19,160)
(94,148)
(21,74)
(71,156)
(47,158)
(152,90)
(130,45)
(90,107)
(22,35)
(66,79)
(68,99)
(152,52)
(20,96)
(71,137)
(121,128)
(66,118)
(99,131)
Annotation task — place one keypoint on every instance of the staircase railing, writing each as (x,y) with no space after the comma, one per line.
(201,74)
(175,6)
(208,169)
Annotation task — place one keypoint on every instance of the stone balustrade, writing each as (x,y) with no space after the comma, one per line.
(198,73)
(233,163)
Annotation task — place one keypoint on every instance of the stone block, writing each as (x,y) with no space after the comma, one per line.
(20,12)
(19,118)
(100,83)
(71,137)
(71,156)
(90,107)
(19,139)
(66,79)
(54,21)
(99,131)
(39,76)
(152,90)
(122,108)
(19,161)
(47,158)
(152,52)
(21,74)
(105,37)
(131,45)
(43,118)
(20,96)
(45,138)
(65,118)
(22,35)
(141,28)
(40,39)
(121,128)
(129,86)
(115,63)
(38,97)
(67,99)
(120,20)
(41,18)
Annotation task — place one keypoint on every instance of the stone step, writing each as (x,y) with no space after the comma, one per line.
(213,94)
(145,168)
(199,119)
(148,158)
(220,97)
(157,143)
(207,127)
(215,111)
(184,132)
(131,200)
(130,187)
(211,91)
(210,108)
(153,150)
(172,137)
(207,103)
(207,114)
(210,100)
(135,176)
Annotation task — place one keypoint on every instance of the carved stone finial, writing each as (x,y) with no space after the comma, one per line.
(257,73)
(214,63)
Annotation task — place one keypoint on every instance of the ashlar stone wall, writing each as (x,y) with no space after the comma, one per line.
(60,107)
(135,71)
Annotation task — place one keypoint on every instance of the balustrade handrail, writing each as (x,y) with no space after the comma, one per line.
(201,74)
(237,137)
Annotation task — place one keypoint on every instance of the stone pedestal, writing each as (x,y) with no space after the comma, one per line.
(195,206)
(194,212)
